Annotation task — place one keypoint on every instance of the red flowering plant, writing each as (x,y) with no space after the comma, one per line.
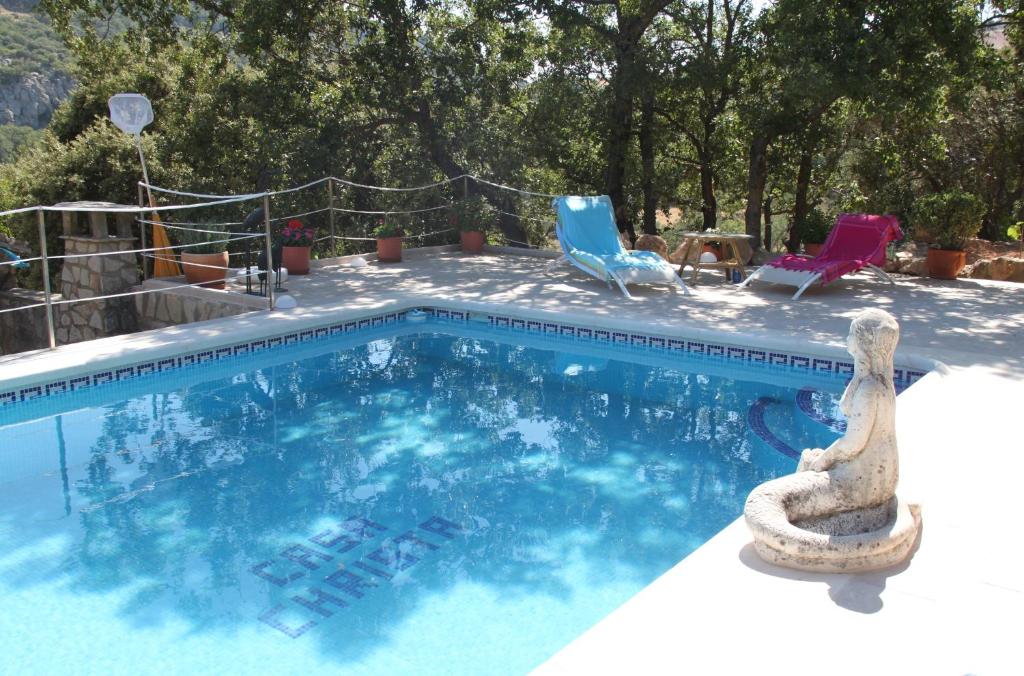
(296,234)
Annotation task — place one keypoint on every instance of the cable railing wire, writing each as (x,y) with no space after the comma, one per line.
(215,200)
(159,248)
(23,307)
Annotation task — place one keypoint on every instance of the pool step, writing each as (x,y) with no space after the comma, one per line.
(805,402)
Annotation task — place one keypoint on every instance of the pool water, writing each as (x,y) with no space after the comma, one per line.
(423,503)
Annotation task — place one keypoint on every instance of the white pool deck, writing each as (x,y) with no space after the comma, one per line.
(956,608)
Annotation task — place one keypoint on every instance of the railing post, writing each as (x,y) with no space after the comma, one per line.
(330,206)
(51,334)
(270,253)
(142,233)
(465,187)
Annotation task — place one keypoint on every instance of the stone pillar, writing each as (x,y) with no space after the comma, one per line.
(91,276)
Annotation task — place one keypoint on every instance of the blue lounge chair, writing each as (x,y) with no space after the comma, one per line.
(590,241)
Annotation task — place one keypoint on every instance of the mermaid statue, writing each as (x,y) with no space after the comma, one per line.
(839,511)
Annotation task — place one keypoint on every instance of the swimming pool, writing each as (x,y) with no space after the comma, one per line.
(428,499)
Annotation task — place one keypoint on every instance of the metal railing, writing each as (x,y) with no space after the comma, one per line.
(212,201)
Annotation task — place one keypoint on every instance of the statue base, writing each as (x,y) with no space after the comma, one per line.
(847,542)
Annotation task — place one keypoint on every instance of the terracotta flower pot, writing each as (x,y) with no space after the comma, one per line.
(296,259)
(472,242)
(389,250)
(209,277)
(813,248)
(944,264)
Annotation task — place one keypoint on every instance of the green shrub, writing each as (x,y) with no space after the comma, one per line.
(473,213)
(205,242)
(817,226)
(392,225)
(28,44)
(15,137)
(950,218)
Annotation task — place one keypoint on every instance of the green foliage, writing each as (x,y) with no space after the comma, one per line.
(392,225)
(889,100)
(817,226)
(950,218)
(1015,231)
(28,44)
(473,213)
(15,137)
(202,242)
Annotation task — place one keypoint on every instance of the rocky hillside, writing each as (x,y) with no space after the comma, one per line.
(34,75)
(29,100)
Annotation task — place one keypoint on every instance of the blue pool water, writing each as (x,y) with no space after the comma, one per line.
(423,503)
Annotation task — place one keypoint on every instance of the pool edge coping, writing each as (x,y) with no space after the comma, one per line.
(42,369)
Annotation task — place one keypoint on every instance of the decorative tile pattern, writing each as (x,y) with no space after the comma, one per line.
(623,340)
(755,421)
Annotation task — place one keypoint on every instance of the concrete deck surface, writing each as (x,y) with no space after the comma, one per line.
(961,323)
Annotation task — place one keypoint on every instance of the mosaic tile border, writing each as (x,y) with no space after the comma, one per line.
(622,339)
(902,377)
(190,359)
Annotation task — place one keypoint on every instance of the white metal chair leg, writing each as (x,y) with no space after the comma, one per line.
(751,277)
(555,263)
(622,286)
(682,285)
(806,285)
(881,274)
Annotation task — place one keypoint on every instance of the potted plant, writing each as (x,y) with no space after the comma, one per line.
(473,216)
(205,261)
(296,243)
(389,232)
(815,231)
(949,218)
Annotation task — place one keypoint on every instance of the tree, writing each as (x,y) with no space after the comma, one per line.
(816,53)
(619,27)
(362,88)
(709,46)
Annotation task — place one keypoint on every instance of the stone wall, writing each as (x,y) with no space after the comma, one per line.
(25,329)
(91,276)
(185,305)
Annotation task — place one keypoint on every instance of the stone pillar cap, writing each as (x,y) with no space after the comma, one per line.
(92,204)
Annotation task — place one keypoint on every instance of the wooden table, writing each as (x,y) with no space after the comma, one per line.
(731,258)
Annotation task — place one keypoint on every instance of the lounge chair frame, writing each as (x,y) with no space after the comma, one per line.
(802,279)
(766,273)
(607,276)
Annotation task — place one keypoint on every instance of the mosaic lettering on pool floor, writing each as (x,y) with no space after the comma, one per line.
(326,583)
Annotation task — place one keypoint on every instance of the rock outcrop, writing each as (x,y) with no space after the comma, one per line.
(29,100)
(1000,261)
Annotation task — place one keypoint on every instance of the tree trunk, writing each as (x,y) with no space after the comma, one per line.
(757,174)
(620,133)
(650,225)
(510,226)
(709,203)
(800,205)
(767,208)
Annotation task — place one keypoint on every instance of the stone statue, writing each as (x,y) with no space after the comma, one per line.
(839,511)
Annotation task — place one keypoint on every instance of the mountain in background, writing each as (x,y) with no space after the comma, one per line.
(34,73)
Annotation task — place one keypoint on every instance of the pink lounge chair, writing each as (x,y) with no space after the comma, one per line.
(857,241)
